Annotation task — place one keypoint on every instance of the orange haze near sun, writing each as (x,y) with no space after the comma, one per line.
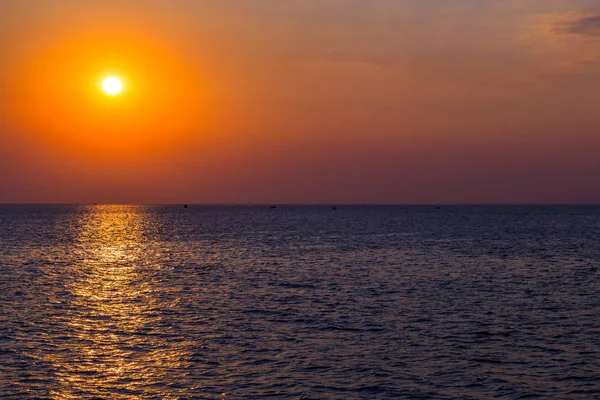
(60,96)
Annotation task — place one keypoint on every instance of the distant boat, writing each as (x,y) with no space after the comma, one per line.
(272,207)
(185,206)
(334,208)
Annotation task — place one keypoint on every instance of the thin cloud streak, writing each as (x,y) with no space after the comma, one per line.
(587,26)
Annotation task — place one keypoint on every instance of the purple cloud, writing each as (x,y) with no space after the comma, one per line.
(588,26)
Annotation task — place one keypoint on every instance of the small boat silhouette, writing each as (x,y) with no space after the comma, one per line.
(185,206)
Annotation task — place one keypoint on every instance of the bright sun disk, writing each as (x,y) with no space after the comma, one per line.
(112,86)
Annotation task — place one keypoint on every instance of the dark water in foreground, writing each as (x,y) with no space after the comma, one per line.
(299,302)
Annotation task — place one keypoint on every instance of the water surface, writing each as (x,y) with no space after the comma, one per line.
(128,302)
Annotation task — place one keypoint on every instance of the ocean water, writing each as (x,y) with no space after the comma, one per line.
(210,302)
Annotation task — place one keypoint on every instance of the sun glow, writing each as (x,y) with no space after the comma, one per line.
(112,86)
(132,97)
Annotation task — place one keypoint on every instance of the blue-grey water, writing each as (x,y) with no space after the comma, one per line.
(139,302)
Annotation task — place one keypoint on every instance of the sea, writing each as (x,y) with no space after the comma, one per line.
(299,302)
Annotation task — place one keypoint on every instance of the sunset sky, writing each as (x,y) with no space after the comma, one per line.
(300,101)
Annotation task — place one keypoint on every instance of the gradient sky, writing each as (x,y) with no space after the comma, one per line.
(301,101)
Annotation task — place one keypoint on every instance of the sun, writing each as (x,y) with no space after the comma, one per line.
(112,86)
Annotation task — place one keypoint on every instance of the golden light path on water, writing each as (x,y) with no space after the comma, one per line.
(119,346)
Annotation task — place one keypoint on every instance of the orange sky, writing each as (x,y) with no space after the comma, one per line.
(313,101)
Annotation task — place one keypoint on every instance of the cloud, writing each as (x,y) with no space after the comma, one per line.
(587,26)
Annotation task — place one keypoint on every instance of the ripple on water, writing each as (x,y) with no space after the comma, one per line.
(131,302)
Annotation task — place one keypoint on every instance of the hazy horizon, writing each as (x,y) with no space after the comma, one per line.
(338,204)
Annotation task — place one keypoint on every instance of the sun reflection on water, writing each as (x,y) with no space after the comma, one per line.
(118,344)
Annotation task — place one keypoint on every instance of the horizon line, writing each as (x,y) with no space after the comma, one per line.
(300,204)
